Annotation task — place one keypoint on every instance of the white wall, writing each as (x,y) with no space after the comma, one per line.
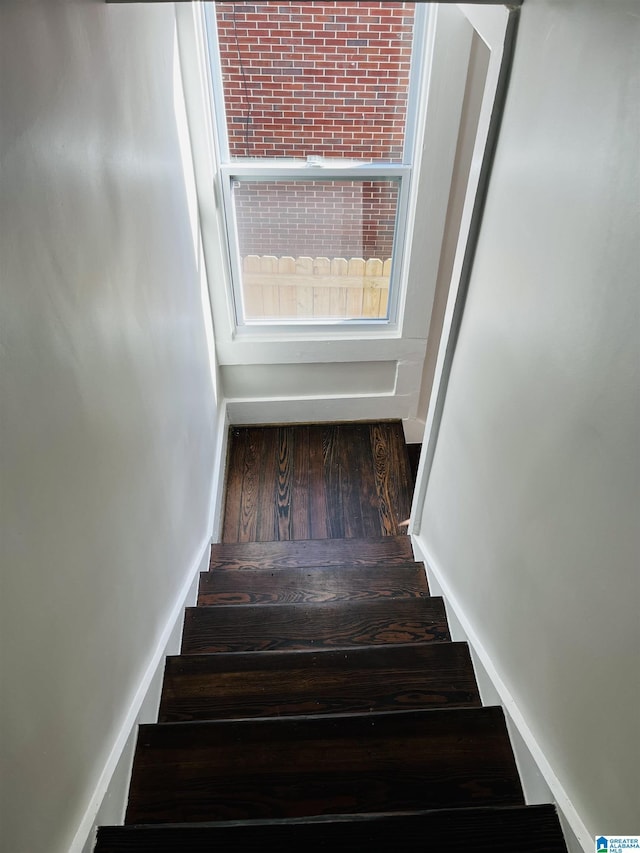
(108,415)
(532,508)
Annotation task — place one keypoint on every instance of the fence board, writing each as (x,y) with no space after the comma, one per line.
(287,265)
(271,301)
(321,302)
(321,287)
(354,301)
(288,302)
(338,301)
(304,301)
(371,302)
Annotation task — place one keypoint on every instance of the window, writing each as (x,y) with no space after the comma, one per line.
(315,152)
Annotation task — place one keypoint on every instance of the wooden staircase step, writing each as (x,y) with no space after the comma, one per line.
(311,552)
(264,684)
(256,627)
(512,829)
(319,583)
(302,766)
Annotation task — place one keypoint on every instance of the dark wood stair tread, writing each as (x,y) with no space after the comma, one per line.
(300,766)
(260,684)
(512,829)
(311,552)
(256,627)
(317,583)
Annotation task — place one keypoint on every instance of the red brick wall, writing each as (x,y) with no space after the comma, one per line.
(324,79)
(317,219)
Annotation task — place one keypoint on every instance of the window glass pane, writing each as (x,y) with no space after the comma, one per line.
(315,79)
(315,249)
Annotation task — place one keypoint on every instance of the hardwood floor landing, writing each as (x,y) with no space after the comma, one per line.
(325,481)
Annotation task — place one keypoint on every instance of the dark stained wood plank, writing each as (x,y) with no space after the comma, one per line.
(267,463)
(368,494)
(334,484)
(250,492)
(319,515)
(284,485)
(263,684)
(297,766)
(311,552)
(388,521)
(349,458)
(255,627)
(233,490)
(315,584)
(401,479)
(392,475)
(511,829)
(317,482)
(344,474)
(300,512)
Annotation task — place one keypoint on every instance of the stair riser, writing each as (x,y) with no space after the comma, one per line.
(314,626)
(314,585)
(206,687)
(392,550)
(525,829)
(331,765)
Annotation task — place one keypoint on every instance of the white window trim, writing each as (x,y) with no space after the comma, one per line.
(405,171)
(270,171)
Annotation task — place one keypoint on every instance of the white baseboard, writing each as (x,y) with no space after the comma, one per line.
(539,781)
(317,409)
(220,464)
(108,800)
(413,430)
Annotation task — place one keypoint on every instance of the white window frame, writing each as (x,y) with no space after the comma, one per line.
(290,169)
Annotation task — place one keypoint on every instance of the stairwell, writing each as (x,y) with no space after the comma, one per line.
(318,699)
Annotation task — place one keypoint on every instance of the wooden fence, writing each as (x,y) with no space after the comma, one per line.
(321,288)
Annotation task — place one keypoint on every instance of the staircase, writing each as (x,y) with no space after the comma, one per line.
(319,700)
